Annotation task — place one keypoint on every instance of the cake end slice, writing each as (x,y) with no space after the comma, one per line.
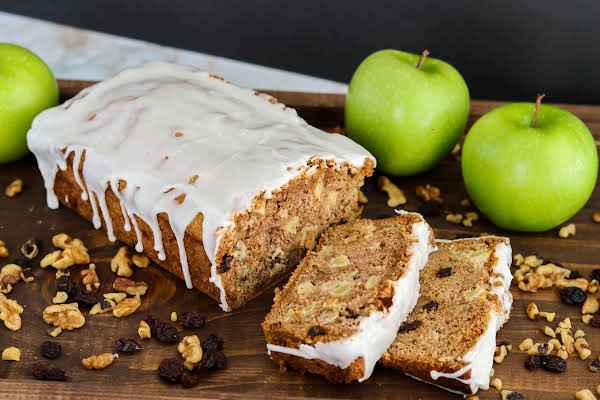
(343,305)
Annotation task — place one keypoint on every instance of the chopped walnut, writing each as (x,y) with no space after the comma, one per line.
(78,256)
(99,361)
(590,306)
(566,231)
(548,331)
(526,344)
(60,273)
(593,286)
(30,249)
(64,241)
(540,349)
(533,260)
(465,202)
(429,193)
(454,218)
(127,306)
(121,263)
(65,316)
(578,333)
(103,307)
(583,348)
(532,311)
(497,383)
(14,188)
(585,394)
(140,260)
(11,354)
(55,332)
(144,330)
(10,274)
(586,318)
(10,313)
(116,297)
(596,219)
(532,282)
(130,287)
(581,283)
(62,260)
(517,260)
(548,315)
(3,250)
(190,350)
(89,277)
(173,316)
(565,323)
(396,195)
(500,353)
(60,297)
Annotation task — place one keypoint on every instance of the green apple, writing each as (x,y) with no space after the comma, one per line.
(27,87)
(529,172)
(407,110)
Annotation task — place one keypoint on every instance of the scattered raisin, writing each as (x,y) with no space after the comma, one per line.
(212,360)
(444,272)
(189,379)
(596,274)
(152,321)
(554,364)
(595,366)
(432,305)
(85,298)
(572,295)
(315,331)
(192,320)
(225,263)
(212,342)
(595,321)
(66,284)
(543,349)
(167,333)
(56,374)
(39,371)
(128,346)
(170,369)
(51,349)
(430,209)
(533,362)
(514,396)
(409,326)
(104,304)
(574,275)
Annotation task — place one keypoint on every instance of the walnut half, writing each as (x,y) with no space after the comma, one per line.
(130,287)
(10,312)
(65,316)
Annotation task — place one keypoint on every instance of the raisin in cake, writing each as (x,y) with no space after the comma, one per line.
(224,187)
(343,305)
(450,337)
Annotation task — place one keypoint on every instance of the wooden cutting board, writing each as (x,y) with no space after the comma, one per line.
(250,373)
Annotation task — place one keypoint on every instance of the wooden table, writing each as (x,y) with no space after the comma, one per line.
(250,373)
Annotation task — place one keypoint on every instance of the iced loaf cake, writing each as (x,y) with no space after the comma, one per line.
(342,307)
(224,187)
(450,337)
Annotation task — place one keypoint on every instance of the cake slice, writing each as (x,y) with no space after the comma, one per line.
(223,186)
(450,337)
(343,305)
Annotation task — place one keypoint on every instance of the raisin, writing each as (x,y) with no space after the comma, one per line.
(128,346)
(595,366)
(514,396)
(27,273)
(572,295)
(543,349)
(409,326)
(167,333)
(189,379)
(430,209)
(212,342)
(316,331)
(574,275)
(56,374)
(432,305)
(104,304)
(554,364)
(66,284)
(596,274)
(192,320)
(225,263)
(170,369)
(533,362)
(39,371)
(51,349)
(444,272)
(595,321)
(152,321)
(85,298)
(212,360)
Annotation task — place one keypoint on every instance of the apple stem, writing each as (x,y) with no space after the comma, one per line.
(537,108)
(424,54)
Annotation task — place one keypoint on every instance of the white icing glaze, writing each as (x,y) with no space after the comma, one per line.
(238,143)
(376,332)
(480,359)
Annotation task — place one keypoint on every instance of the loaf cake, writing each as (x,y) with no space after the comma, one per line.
(343,305)
(450,337)
(224,187)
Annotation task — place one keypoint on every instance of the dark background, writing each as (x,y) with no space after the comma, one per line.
(504,49)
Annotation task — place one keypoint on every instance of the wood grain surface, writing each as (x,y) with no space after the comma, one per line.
(250,373)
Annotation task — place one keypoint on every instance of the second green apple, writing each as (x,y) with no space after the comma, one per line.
(409,116)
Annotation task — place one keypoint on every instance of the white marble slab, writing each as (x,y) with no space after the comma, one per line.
(82,54)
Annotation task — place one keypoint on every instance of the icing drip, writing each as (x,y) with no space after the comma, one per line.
(157,126)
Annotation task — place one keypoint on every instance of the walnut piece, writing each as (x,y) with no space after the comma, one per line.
(30,249)
(532,311)
(11,354)
(14,188)
(590,306)
(10,274)
(10,313)
(65,316)
(566,231)
(60,297)
(429,193)
(130,287)
(89,277)
(64,241)
(396,195)
(190,350)
(596,219)
(3,250)
(116,297)
(140,260)
(103,307)
(497,383)
(173,316)
(585,394)
(99,361)
(454,218)
(144,330)
(500,353)
(121,263)
(127,306)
